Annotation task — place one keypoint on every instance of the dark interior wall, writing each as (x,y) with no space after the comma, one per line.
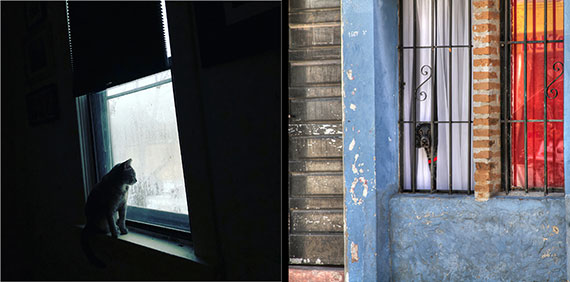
(236,106)
(41,173)
(43,196)
(243,131)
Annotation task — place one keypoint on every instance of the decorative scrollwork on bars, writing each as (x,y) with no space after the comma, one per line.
(425,70)
(558,66)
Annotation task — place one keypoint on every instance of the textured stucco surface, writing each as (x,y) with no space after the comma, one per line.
(455,238)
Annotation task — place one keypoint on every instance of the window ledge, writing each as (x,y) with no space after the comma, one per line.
(530,194)
(159,243)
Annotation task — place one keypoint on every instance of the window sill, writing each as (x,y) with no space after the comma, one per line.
(158,243)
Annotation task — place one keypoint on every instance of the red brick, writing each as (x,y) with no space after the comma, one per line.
(483,187)
(484,166)
(484,98)
(487,15)
(486,155)
(482,175)
(486,38)
(485,121)
(484,27)
(484,4)
(486,132)
(485,51)
(486,109)
(484,75)
(486,86)
(486,62)
(483,143)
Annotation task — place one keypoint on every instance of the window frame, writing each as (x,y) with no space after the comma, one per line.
(95,140)
(506,121)
(432,122)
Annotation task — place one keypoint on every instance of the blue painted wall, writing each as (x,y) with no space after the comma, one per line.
(456,238)
(405,237)
(370,104)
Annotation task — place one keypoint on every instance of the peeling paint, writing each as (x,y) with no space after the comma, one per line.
(349,75)
(353,107)
(353,252)
(354,170)
(351,145)
(352,186)
(365,185)
(295,260)
(555,229)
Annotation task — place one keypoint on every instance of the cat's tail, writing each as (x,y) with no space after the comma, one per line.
(85,234)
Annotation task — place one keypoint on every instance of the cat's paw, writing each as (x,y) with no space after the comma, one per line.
(124,231)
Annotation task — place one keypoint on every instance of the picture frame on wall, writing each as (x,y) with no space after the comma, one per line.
(35,14)
(42,105)
(38,53)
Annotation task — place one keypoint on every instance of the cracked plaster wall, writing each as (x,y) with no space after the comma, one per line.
(455,238)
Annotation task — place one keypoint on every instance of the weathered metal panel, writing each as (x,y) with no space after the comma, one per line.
(315,165)
(315,91)
(314,129)
(315,147)
(315,53)
(315,184)
(315,133)
(317,221)
(306,110)
(325,35)
(316,203)
(305,75)
(316,249)
(313,4)
(314,16)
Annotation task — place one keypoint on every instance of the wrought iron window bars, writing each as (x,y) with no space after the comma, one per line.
(550,93)
(428,72)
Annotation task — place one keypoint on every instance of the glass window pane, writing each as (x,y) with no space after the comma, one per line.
(143,127)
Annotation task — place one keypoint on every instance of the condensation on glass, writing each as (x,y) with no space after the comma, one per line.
(142,124)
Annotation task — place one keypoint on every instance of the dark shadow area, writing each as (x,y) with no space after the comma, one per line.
(226,72)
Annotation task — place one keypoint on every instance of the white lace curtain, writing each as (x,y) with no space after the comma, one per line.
(440,75)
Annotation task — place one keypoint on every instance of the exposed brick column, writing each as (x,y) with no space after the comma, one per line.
(486,98)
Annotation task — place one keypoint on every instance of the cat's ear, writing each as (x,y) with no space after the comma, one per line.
(127,163)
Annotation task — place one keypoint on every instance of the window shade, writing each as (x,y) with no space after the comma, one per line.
(114,42)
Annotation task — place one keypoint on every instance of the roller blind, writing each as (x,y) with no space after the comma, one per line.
(113,42)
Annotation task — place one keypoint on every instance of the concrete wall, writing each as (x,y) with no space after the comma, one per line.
(455,238)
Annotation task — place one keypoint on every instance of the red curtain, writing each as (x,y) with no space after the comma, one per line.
(535,93)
